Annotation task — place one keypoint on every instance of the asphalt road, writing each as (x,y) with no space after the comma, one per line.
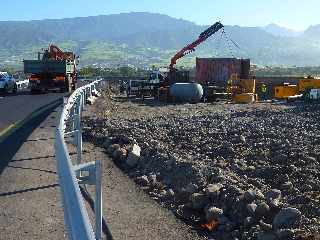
(30,204)
(16,107)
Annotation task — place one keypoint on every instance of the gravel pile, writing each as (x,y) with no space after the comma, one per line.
(234,171)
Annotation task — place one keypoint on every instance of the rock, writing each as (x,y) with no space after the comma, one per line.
(223,220)
(152,179)
(251,208)
(306,188)
(265,227)
(286,218)
(284,178)
(275,205)
(285,234)
(170,193)
(310,160)
(182,196)
(280,159)
(192,188)
(267,236)
(119,154)
(106,144)
(199,201)
(249,196)
(273,194)
(213,190)
(163,193)
(248,221)
(286,186)
(143,180)
(259,195)
(262,209)
(112,148)
(212,213)
(133,156)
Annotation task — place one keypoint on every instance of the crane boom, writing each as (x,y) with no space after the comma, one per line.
(191,47)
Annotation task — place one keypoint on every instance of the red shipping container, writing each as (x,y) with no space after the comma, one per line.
(217,71)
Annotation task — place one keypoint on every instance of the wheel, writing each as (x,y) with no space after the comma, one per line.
(15,88)
(5,89)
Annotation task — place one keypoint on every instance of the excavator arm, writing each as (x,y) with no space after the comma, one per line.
(191,47)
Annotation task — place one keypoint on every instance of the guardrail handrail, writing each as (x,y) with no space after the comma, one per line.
(71,175)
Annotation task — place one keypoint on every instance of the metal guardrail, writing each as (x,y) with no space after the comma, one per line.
(71,175)
(23,84)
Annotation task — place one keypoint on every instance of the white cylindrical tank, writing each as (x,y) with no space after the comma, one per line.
(186,92)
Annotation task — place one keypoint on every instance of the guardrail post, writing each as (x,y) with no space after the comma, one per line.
(89,88)
(83,99)
(79,130)
(98,202)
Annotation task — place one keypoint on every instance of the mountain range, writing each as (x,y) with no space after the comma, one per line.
(143,39)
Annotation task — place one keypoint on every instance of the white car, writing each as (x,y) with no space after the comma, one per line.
(7,83)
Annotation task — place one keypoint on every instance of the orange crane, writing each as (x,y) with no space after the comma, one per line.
(192,47)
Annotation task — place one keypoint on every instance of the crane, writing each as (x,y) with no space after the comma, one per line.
(191,47)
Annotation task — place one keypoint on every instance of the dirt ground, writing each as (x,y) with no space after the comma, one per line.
(220,162)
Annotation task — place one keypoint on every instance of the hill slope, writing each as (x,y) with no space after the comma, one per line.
(144,39)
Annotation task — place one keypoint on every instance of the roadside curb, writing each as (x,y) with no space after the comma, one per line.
(15,126)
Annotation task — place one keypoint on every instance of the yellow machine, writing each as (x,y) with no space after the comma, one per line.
(286,90)
(242,90)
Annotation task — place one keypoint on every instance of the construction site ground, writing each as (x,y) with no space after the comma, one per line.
(246,157)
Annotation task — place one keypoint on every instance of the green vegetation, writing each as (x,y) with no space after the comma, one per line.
(288,71)
(113,72)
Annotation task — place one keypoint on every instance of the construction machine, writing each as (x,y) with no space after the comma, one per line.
(176,76)
(192,47)
(54,69)
(305,88)
(242,90)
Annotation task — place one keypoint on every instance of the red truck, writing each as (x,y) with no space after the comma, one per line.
(54,69)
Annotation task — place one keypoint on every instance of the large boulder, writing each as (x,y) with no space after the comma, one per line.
(262,209)
(199,201)
(119,154)
(273,194)
(286,218)
(112,148)
(212,213)
(191,188)
(133,156)
(213,190)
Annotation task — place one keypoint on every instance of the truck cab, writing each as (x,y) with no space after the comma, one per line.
(156,77)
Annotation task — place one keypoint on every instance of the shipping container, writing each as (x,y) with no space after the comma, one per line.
(217,71)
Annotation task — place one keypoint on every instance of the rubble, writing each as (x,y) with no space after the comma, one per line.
(258,164)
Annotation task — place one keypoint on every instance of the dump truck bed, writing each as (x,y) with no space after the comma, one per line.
(52,66)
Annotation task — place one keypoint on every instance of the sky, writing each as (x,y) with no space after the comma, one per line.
(294,14)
